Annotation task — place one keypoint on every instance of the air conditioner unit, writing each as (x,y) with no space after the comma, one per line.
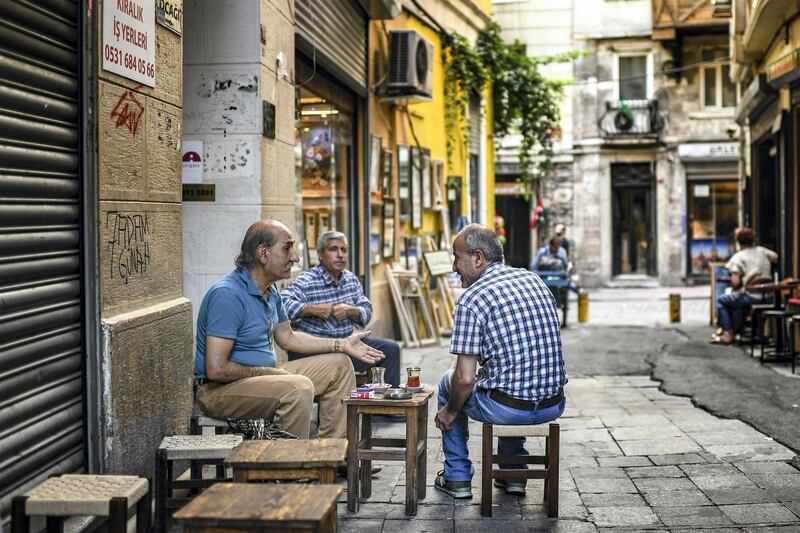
(410,64)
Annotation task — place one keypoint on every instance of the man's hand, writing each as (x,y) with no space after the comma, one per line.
(355,348)
(342,312)
(322,311)
(444,419)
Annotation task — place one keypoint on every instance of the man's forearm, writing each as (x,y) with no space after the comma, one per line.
(301,342)
(459,394)
(230,372)
(314,310)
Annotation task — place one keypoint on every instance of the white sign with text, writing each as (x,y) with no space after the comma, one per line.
(129,39)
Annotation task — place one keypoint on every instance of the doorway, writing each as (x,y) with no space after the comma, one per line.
(633,207)
(515,211)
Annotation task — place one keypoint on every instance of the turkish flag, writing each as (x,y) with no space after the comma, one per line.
(537,213)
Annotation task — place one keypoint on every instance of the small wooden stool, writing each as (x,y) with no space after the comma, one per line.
(198,450)
(411,449)
(262,507)
(85,495)
(549,460)
(260,460)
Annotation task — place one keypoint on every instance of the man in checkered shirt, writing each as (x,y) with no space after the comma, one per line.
(506,322)
(328,301)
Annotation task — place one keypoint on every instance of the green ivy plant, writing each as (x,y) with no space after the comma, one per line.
(522,97)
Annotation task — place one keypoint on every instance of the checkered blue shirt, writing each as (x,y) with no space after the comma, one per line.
(316,286)
(508,319)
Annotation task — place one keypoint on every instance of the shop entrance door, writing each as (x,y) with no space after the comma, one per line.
(713,217)
(515,210)
(633,211)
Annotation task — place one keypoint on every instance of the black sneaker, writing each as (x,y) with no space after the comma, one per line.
(515,487)
(456,489)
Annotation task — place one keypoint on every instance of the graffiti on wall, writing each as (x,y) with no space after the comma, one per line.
(128,112)
(128,242)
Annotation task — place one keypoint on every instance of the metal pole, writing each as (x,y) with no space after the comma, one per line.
(583,307)
(674,308)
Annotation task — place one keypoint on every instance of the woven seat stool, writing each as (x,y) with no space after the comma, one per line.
(199,450)
(549,461)
(69,495)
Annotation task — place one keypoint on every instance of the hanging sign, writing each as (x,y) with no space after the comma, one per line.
(129,39)
(784,70)
(193,162)
(169,13)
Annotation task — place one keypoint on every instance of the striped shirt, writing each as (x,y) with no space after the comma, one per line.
(508,319)
(317,286)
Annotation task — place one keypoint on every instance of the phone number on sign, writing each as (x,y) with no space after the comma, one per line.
(129,61)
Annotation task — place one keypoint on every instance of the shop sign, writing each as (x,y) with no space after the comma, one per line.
(715,151)
(129,40)
(509,188)
(702,191)
(193,162)
(778,72)
(199,192)
(169,13)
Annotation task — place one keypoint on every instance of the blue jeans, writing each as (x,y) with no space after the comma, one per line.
(480,407)
(732,308)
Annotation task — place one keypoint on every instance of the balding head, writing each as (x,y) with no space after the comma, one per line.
(263,232)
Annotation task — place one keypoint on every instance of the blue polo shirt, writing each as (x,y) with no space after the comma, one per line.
(233,308)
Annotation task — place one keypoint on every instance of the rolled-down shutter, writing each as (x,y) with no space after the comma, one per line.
(336,30)
(41,354)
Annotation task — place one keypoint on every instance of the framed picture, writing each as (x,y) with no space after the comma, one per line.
(388,182)
(438,182)
(426,179)
(388,227)
(404,181)
(375,166)
(416,188)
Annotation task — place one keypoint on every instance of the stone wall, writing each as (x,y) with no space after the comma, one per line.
(145,359)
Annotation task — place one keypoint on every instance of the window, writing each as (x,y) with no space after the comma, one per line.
(632,73)
(716,87)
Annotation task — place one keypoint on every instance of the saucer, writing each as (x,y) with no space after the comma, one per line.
(413,389)
(380,388)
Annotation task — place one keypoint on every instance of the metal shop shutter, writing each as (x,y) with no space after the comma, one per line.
(41,354)
(337,30)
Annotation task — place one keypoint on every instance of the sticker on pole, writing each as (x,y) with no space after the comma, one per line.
(193,162)
(129,39)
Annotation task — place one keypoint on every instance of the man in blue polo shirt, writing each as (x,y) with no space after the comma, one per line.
(328,301)
(236,370)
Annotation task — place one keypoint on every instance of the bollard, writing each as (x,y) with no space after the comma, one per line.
(674,308)
(583,307)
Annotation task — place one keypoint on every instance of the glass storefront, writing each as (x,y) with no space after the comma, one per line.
(324,150)
(712,220)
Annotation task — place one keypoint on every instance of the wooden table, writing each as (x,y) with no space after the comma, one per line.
(258,507)
(259,460)
(412,449)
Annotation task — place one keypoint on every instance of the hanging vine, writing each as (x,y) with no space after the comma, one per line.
(522,97)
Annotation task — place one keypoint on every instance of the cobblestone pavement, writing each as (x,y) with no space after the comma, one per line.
(632,459)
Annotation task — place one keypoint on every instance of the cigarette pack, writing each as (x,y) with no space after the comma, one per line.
(363,393)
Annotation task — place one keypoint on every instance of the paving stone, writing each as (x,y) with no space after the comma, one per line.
(759,513)
(605,485)
(612,499)
(784,494)
(664,484)
(774,480)
(424,512)
(598,473)
(473,512)
(576,461)
(559,525)
(658,447)
(736,496)
(647,432)
(418,526)
(366,510)
(615,421)
(655,471)
(749,436)
(722,469)
(623,516)
(677,459)
(624,461)
(677,498)
(751,452)
(766,467)
(581,422)
(480,526)
(793,506)
(739,481)
(585,435)
(355,525)
(692,516)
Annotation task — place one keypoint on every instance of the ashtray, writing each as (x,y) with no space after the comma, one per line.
(379,388)
(413,389)
(397,394)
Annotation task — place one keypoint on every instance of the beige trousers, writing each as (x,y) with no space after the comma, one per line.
(287,399)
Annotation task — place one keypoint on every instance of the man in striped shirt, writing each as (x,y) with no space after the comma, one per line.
(506,322)
(328,301)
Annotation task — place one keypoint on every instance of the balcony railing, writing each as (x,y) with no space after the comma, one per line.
(632,118)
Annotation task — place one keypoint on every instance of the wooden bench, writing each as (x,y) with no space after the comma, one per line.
(85,495)
(199,450)
(262,460)
(549,462)
(262,507)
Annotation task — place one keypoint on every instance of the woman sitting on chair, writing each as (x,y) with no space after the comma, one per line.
(750,265)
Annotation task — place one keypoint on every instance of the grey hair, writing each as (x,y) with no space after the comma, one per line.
(256,236)
(479,237)
(322,242)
